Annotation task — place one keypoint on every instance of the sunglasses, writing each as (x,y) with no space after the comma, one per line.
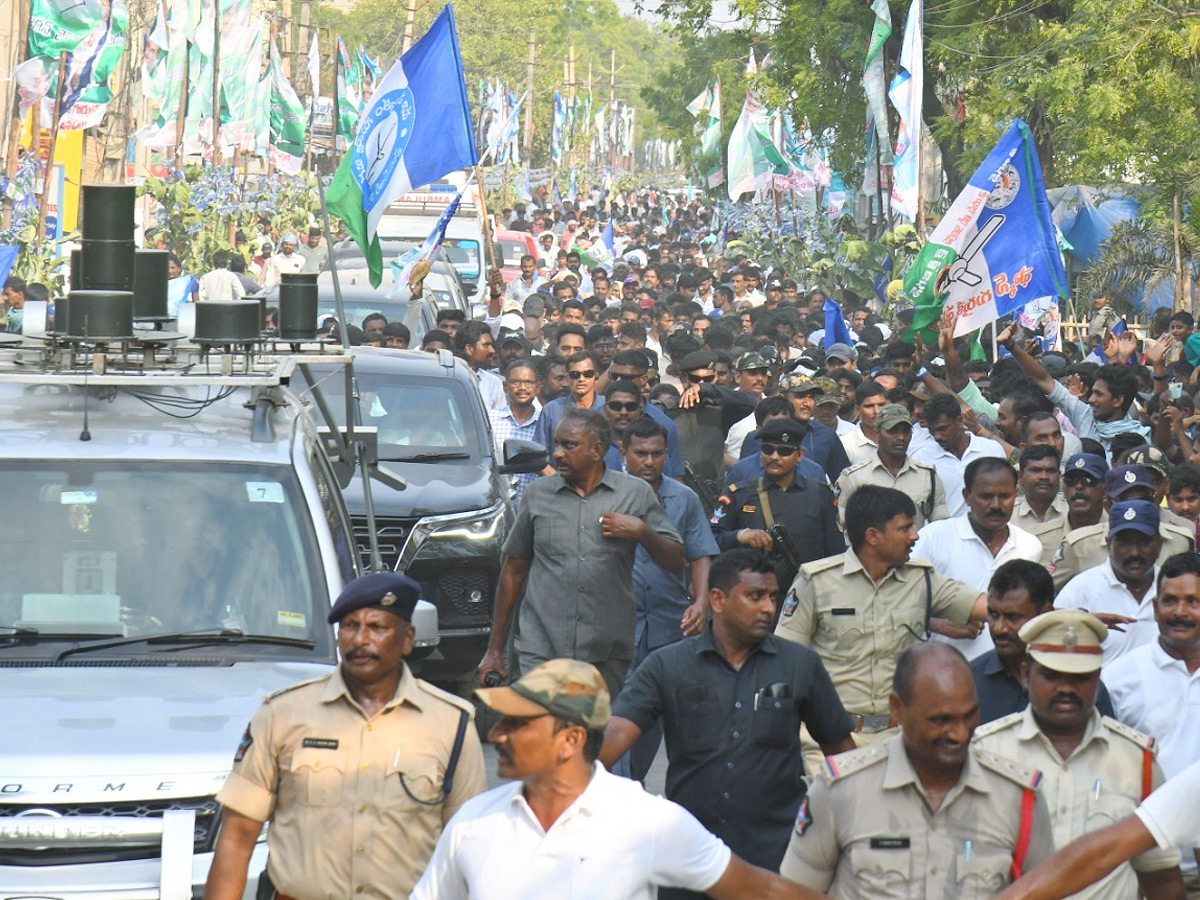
(701,379)
(631,406)
(585,373)
(777,450)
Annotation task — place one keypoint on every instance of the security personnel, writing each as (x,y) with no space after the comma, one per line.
(861,609)
(1095,769)
(1082,486)
(1086,547)
(892,467)
(923,815)
(748,510)
(357,771)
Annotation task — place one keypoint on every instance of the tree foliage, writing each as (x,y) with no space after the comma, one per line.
(494,39)
(1111,88)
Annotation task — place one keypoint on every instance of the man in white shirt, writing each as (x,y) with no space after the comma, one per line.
(753,372)
(953,448)
(861,444)
(970,548)
(287,261)
(221,285)
(1120,591)
(565,827)
(524,284)
(1155,688)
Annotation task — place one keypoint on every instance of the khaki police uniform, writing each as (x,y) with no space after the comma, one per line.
(919,480)
(1050,530)
(859,628)
(1100,783)
(1110,771)
(355,804)
(867,832)
(1084,547)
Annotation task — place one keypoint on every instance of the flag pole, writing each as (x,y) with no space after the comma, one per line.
(216,85)
(58,96)
(487,223)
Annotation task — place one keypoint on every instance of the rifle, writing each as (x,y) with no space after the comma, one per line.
(702,487)
(783,548)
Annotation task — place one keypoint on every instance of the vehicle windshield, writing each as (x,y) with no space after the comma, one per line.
(512,251)
(144,548)
(422,419)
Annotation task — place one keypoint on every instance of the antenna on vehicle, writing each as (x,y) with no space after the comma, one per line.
(86,434)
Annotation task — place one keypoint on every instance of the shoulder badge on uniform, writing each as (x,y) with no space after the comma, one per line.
(243,746)
(845,764)
(855,467)
(1145,741)
(996,725)
(447,697)
(923,563)
(1020,775)
(803,819)
(790,602)
(820,565)
(320,679)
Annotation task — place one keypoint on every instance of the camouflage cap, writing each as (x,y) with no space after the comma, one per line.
(1065,640)
(797,383)
(1150,458)
(566,688)
(829,391)
(892,415)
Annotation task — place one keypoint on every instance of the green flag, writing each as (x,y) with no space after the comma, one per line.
(287,120)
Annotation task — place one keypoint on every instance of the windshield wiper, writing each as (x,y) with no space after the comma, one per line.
(205,636)
(13,634)
(430,457)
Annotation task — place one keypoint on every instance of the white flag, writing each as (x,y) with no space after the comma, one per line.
(906,93)
(314,66)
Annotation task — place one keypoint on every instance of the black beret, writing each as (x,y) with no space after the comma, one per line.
(698,359)
(783,431)
(379,590)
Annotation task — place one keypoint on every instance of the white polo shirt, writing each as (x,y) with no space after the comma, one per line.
(951,469)
(615,840)
(1169,813)
(859,447)
(956,551)
(1153,692)
(1098,590)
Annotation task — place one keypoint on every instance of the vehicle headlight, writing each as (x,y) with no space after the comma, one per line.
(474,528)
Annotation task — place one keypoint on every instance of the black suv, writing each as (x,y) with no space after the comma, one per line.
(445,528)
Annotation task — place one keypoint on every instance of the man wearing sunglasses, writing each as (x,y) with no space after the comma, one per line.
(748,510)
(581,394)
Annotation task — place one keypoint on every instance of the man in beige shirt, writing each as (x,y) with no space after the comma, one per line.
(861,609)
(357,771)
(891,466)
(1041,509)
(1095,769)
(924,815)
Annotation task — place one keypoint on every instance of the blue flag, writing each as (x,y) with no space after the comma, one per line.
(402,267)
(836,331)
(882,280)
(416,129)
(606,237)
(8,256)
(995,249)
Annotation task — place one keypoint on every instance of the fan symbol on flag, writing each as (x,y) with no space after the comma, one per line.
(961,269)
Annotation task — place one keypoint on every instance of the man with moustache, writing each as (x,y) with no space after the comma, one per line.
(1094,769)
(924,815)
(1083,490)
(1040,509)
(357,771)
(519,419)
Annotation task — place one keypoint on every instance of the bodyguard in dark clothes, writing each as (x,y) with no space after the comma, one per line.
(805,509)
(1018,591)
(732,701)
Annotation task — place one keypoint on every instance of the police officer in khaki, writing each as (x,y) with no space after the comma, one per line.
(1095,769)
(861,609)
(1085,547)
(924,815)
(357,771)
(892,467)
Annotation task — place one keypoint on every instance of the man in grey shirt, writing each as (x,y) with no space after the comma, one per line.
(572,549)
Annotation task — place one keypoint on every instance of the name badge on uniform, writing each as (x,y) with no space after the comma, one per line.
(842,611)
(748,509)
(320,743)
(890,843)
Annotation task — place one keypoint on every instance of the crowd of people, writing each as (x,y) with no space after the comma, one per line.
(907,619)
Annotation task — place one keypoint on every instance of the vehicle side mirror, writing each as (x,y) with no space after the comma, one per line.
(523,457)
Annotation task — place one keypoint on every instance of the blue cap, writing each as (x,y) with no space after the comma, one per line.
(1133,515)
(1121,479)
(1090,464)
(379,590)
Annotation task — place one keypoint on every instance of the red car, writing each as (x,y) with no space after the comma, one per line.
(513,245)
